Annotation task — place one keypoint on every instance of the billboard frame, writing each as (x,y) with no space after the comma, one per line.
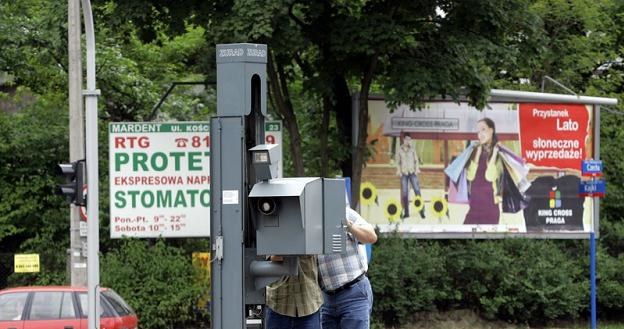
(512,96)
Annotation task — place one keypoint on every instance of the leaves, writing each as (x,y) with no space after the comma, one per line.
(145,273)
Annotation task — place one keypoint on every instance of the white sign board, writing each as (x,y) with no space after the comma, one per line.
(159,179)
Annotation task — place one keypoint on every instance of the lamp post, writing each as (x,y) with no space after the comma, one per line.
(93,239)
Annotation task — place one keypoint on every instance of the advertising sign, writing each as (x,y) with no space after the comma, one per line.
(448,168)
(26,263)
(159,179)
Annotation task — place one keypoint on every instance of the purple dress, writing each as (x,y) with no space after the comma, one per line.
(482,210)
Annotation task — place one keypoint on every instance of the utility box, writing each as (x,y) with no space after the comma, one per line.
(299,216)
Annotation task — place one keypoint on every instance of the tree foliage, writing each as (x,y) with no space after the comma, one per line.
(411,49)
(31,143)
(158,280)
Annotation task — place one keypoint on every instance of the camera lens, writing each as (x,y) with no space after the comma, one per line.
(267,206)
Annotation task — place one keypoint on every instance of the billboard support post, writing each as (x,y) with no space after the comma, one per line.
(592,277)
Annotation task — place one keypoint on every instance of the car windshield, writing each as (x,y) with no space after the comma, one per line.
(120,306)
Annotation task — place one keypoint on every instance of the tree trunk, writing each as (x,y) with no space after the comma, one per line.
(278,88)
(361,147)
(327,106)
(344,113)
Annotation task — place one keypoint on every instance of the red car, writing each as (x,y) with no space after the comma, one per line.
(50,307)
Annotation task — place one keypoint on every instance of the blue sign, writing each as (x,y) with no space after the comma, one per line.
(592,188)
(592,168)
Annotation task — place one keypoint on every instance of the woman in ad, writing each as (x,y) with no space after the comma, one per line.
(487,174)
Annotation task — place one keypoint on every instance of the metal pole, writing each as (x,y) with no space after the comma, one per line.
(78,268)
(528,96)
(594,229)
(592,277)
(93,238)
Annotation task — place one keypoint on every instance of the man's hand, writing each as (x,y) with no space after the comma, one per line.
(363,233)
(275,258)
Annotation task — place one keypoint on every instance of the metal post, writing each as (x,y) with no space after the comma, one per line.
(77,266)
(592,277)
(93,238)
(238,126)
(594,230)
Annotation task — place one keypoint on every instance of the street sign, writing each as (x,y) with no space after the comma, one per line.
(591,168)
(592,188)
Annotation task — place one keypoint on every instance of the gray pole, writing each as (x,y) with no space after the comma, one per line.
(93,238)
(241,108)
(78,269)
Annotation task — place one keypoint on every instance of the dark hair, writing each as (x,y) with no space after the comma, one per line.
(488,122)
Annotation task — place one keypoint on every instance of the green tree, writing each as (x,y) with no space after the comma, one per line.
(341,49)
(157,280)
(131,74)
(32,142)
(573,39)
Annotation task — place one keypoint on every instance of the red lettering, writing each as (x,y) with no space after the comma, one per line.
(132,142)
(119,143)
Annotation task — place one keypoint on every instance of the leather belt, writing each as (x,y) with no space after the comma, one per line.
(346,285)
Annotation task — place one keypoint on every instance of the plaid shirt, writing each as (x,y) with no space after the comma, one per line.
(299,295)
(338,269)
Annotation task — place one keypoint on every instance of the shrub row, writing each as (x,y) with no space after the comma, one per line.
(517,280)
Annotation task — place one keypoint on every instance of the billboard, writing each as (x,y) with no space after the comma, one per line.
(449,169)
(159,179)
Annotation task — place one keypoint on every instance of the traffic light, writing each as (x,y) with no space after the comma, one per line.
(74,181)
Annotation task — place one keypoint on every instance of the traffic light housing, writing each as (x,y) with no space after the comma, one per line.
(74,182)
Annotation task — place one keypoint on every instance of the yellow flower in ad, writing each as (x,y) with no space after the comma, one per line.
(439,206)
(368,193)
(392,210)
(419,203)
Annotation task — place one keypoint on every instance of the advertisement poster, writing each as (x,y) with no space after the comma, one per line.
(513,168)
(159,179)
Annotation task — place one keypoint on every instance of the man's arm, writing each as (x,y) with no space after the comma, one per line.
(416,162)
(363,233)
(360,228)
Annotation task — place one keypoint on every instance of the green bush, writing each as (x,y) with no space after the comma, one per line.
(517,280)
(157,280)
(407,276)
(610,283)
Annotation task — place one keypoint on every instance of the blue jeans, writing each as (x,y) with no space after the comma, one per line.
(412,179)
(278,321)
(348,309)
